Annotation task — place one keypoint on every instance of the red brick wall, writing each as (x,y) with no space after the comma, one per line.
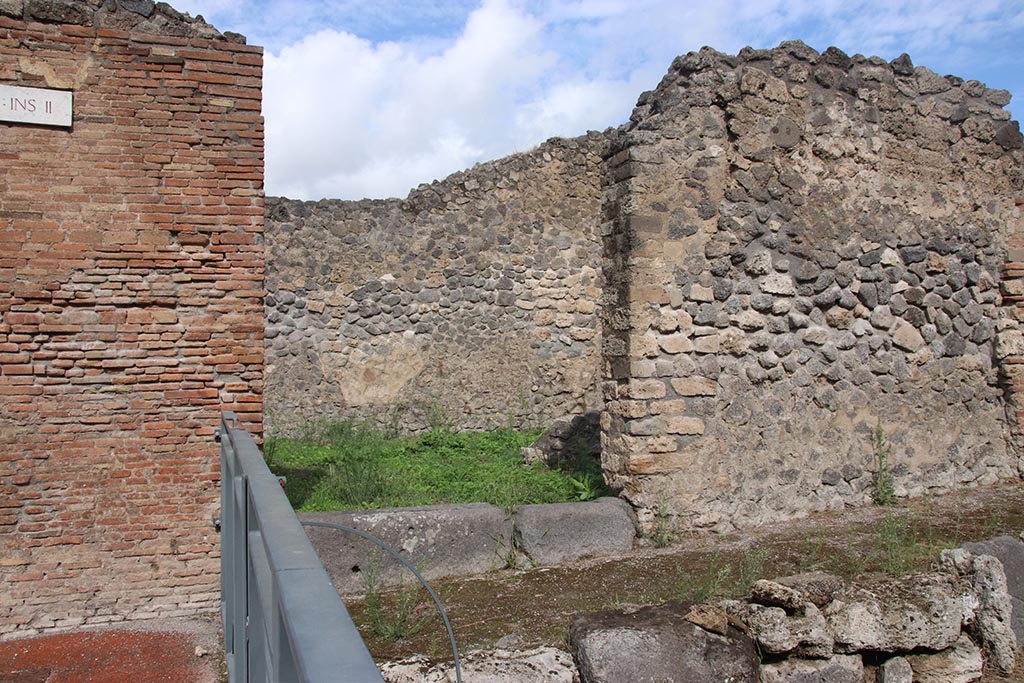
(131,272)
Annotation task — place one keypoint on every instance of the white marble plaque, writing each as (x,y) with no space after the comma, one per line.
(42,106)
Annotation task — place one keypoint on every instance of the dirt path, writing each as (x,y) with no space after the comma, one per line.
(524,608)
(536,607)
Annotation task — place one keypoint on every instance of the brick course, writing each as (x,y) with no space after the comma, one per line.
(131,272)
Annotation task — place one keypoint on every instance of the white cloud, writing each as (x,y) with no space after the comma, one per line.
(372,99)
(348,118)
(572,107)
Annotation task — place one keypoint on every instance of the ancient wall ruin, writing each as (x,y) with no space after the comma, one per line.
(471,302)
(810,248)
(130,308)
(786,251)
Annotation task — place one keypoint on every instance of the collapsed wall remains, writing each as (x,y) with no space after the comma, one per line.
(791,254)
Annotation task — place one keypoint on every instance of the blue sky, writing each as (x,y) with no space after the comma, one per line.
(372,98)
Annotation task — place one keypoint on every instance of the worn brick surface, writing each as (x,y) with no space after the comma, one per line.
(131,269)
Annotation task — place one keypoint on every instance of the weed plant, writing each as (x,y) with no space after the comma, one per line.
(898,544)
(903,545)
(347,466)
(398,615)
(722,578)
(664,533)
(884,491)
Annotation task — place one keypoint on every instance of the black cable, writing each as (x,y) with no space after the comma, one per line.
(408,565)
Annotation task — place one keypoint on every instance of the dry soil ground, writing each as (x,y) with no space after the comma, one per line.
(523,608)
(536,607)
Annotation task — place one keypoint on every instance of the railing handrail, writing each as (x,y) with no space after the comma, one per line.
(283,620)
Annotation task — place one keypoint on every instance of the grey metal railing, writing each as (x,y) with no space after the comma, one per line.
(283,620)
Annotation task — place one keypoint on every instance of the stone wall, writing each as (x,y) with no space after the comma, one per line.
(472,302)
(950,623)
(798,261)
(130,308)
(808,248)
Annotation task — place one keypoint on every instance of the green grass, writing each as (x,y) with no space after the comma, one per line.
(904,544)
(721,577)
(897,544)
(347,466)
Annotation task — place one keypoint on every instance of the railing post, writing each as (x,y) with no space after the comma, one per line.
(283,620)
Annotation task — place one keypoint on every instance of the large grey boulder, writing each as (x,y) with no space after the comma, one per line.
(991,622)
(838,669)
(817,587)
(1010,552)
(657,644)
(442,540)
(563,532)
(570,437)
(917,611)
(783,621)
(777,632)
(959,664)
(775,594)
(540,665)
(895,670)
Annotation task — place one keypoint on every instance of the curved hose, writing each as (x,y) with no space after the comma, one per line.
(408,565)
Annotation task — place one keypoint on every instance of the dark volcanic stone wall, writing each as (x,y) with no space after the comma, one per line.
(782,253)
(811,247)
(472,302)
